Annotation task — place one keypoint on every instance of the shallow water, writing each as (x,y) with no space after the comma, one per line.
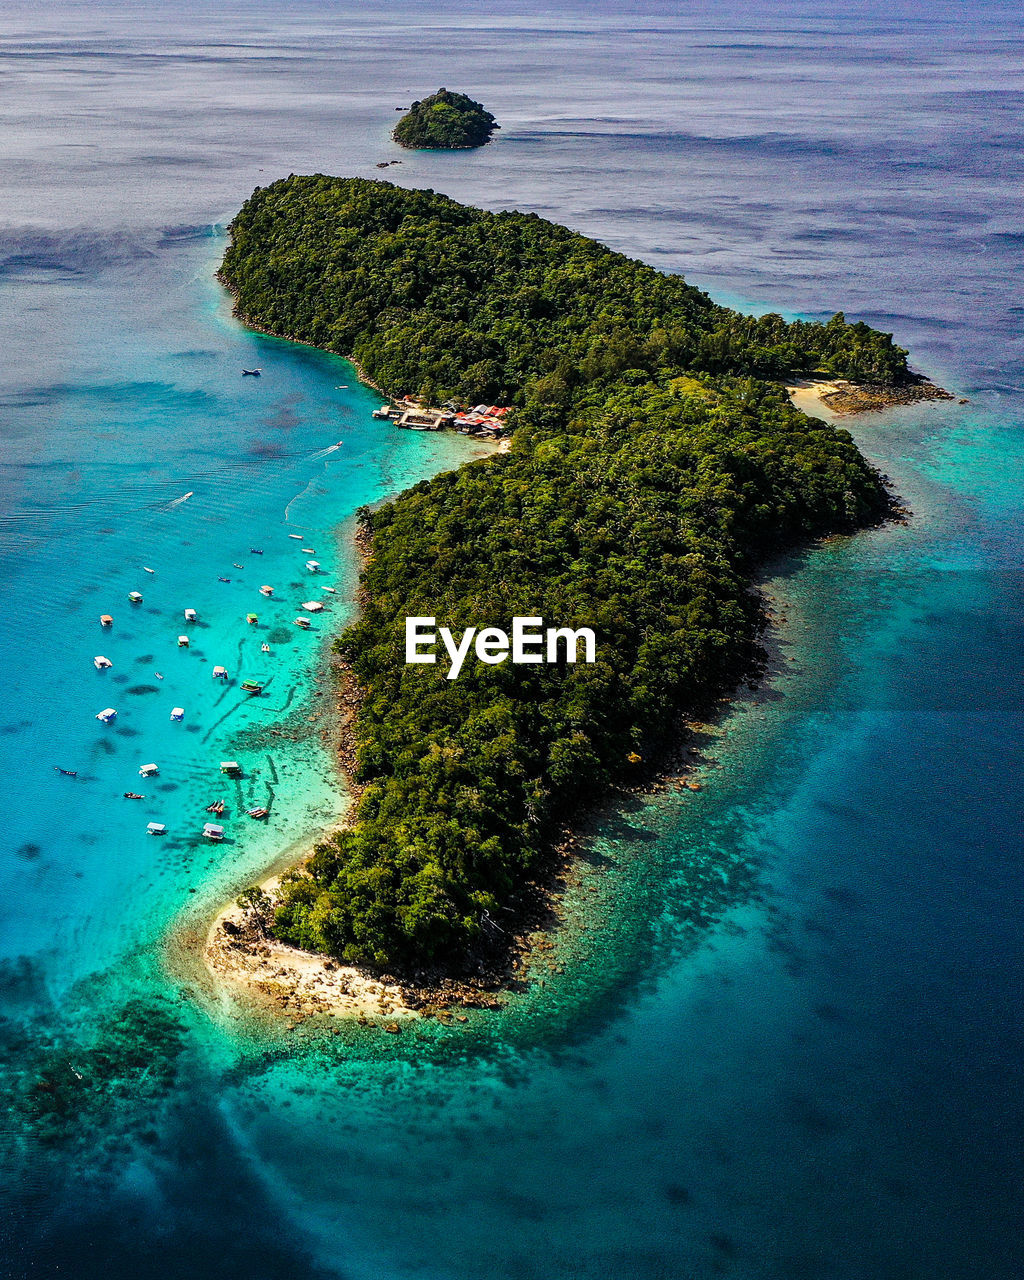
(786,1040)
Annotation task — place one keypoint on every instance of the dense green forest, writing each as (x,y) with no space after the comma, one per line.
(655,462)
(445,122)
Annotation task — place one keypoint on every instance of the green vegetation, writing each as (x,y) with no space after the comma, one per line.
(445,122)
(654,464)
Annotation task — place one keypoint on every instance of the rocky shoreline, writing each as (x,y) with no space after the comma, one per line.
(844,398)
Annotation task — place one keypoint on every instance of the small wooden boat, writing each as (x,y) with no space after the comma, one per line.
(332,590)
(264,647)
(68,773)
(217,807)
(251,373)
(223,579)
(303,622)
(257,813)
(255,551)
(158,675)
(237,566)
(296,536)
(133,795)
(309,551)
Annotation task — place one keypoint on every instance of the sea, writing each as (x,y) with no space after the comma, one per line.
(779,1035)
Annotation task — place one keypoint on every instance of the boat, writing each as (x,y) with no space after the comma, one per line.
(312,606)
(251,373)
(220,673)
(383,412)
(217,807)
(191,615)
(147,569)
(313,566)
(156,828)
(255,551)
(133,795)
(252,619)
(108,715)
(252,686)
(296,536)
(106,620)
(101,663)
(257,813)
(332,590)
(135,597)
(68,773)
(148,770)
(266,591)
(309,551)
(183,642)
(158,675)
(237,566)
(177,713)
(223,579)
(212,831)
(230,766)
(264,647)
(303,622)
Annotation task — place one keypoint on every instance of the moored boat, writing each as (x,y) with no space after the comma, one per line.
(108,715)
(191,615)
(135,597)
(106,620)
(212,831)
(252,686)
(156,828)
(257,813)
(303,622)
(183,642)
(220,673)
(148,770)
(252,619)
(177,713)
(101,663)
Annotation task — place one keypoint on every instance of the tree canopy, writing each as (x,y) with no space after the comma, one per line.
(445,121)
(655,462)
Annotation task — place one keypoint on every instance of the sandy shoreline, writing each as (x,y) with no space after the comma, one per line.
(842,399)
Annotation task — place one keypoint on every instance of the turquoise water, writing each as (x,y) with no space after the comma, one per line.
(781,1035)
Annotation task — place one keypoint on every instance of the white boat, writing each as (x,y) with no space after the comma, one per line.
(230,766)
(309,551)
(156,829)
(313,566)
(148,770)
(296,536)
(183,642)
(332,590)
(312,606)
(266,591)
(108,715)
(177,713)
(135,597)
(220,673)
(212,831)
(101,663)
(303,622)
(191,615)
(147,569)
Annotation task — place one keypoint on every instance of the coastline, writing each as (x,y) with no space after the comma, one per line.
(246,975)
(843,399)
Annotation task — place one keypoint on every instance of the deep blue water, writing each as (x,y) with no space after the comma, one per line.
(787,1036)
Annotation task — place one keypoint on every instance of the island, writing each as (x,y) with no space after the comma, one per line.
(655,462)
(445,121)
